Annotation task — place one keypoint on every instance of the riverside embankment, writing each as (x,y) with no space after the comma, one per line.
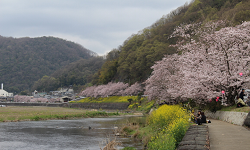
(114,106)
(237,118)
(27,113)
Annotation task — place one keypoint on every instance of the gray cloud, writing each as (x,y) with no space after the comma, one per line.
(99,25)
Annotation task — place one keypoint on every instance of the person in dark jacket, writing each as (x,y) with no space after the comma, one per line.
(240,102)
(198,118)
(242,94)
(203,118)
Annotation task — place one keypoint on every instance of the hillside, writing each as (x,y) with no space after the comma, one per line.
(132,61)
(76,74)
(25,60)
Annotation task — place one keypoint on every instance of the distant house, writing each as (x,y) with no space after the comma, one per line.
(63,92)
(38,95)
(35,94)
(65,99)
(4,93)
(64,95)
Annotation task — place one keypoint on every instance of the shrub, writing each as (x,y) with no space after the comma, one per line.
(130,100)
(36,118)
(127,129)
(214,105)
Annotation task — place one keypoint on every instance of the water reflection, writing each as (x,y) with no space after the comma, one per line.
(62,134)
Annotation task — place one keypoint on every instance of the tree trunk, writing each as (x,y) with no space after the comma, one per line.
(232,93)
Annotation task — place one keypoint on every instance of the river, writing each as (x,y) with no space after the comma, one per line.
(80,134)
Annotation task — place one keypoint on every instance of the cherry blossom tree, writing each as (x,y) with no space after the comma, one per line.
(209,62)
(26,99)
(117,88)
(89,91)
(54,100)
(163,79)
(110,89)
(22,98)
(134,89)
(113,89)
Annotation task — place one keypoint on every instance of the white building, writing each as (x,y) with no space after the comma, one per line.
(4,93)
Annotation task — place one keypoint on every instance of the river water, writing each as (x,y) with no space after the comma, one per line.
(63,134)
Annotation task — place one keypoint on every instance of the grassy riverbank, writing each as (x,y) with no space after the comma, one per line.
(17,113)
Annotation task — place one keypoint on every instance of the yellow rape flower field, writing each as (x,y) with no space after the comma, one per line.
(170,123)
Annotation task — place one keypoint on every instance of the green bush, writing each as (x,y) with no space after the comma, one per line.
(127,129)
(214,105)
(36,118)
(130,100)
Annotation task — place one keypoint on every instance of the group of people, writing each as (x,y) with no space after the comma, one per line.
(200,118)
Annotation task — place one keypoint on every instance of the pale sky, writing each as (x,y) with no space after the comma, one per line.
(98,25)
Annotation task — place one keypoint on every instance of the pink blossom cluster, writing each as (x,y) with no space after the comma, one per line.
(112,89)
(210,62)
(21,98)
(134,89)
(54,100)
(26,99)
(42,100)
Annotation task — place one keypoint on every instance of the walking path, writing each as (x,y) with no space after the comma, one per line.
(226,136)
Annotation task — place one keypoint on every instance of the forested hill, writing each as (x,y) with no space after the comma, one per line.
(25,60)
(77,74)
(132,61)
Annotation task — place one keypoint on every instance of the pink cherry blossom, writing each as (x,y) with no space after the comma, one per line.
(112,89)
(209,62)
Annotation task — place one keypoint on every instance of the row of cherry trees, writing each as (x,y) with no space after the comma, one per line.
(26,99)
(213,61)
(112,89)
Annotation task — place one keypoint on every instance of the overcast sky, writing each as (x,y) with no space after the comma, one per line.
(98,25)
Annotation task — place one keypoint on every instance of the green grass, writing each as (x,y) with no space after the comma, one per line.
(235,109)
(15,113)
(146,105)
(110,99)
(146,133)
(129,148)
